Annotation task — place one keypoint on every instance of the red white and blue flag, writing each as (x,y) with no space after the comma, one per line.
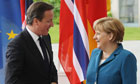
(76,35)
(24,4)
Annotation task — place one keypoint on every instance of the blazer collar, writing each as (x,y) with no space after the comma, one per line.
(111,57)
(32,34)
(34,49)
(31,44)
(99,54)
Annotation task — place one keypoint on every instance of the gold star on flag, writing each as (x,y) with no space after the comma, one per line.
(11,35)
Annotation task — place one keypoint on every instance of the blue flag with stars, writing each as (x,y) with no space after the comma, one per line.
(10,26)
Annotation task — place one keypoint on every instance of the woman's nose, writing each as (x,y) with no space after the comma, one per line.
(94,37)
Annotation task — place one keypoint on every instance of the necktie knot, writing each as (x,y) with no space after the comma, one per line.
(40,39)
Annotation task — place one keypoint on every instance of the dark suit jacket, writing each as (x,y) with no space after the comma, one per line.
(25,64)
(119,68)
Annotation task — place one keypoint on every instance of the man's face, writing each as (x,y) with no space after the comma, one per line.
(45,24)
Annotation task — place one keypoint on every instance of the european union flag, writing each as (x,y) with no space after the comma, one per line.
(10,26)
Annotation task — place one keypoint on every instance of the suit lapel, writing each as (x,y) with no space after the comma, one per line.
(113,55)
(31,44)
(32,47)
(98,59)
(108,60)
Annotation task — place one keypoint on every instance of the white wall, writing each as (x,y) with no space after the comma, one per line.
(139,13)
(115,8)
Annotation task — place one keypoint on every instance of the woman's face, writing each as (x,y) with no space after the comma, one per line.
(102,38)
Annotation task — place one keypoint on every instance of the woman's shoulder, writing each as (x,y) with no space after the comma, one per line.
(96,50)
(126,54)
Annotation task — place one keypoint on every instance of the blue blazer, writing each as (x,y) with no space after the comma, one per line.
(119,68)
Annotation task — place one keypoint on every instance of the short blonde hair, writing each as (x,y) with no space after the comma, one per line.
(110,25)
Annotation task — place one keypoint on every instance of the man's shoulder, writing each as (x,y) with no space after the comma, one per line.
(18,39)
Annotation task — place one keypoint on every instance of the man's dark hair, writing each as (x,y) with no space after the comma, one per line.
(36,10)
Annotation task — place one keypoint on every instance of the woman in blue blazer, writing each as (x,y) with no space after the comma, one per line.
(110,63)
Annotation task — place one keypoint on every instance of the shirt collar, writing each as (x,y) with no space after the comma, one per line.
(33,35)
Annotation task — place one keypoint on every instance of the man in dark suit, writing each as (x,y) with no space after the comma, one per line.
(29,55)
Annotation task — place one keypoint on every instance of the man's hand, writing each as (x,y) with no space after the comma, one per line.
(53,83)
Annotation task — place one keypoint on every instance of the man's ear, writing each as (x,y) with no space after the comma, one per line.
(35,21)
